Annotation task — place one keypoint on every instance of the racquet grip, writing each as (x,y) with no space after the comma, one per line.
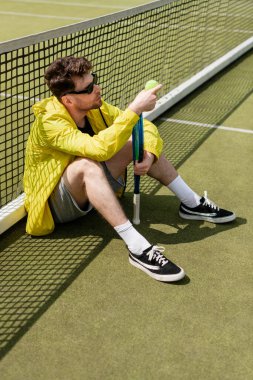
(136,202)
(137,156)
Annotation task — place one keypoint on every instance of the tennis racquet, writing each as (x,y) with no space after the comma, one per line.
(137,144)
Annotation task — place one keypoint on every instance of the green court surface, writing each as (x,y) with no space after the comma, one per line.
(75,309)
(31,17)
(80,311)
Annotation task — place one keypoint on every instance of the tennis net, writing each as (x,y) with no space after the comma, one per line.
(180,43)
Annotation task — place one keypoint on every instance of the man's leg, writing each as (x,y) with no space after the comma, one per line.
(119,162)
(86,181)
(192,206)
(167,175)
(162,170)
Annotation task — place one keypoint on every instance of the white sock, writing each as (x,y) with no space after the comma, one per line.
(135,242)
(186,195)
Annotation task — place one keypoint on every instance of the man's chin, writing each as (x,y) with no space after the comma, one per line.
(98,104)
(95,105)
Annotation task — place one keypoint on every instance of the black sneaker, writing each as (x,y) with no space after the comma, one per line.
(207,210)
(156,265)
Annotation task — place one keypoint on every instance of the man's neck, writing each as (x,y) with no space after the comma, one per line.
(80,121)
(78,117)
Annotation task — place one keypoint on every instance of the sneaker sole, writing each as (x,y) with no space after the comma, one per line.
(158,277)
(224,219)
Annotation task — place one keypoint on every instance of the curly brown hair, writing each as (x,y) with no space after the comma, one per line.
(59,75)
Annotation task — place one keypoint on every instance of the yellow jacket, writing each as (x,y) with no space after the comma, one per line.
(55,141)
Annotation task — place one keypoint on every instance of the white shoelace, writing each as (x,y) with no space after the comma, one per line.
(209,203)
(156,254)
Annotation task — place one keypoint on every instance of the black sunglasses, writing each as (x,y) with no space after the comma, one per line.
(88,89)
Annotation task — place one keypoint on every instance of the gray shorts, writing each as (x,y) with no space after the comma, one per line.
(63,206)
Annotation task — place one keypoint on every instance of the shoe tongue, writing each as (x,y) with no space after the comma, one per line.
(148,249)
(202,200)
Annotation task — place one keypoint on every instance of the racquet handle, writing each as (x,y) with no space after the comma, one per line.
(137,156)
(137,139)
(136,202)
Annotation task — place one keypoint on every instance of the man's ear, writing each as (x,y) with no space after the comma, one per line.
(66,101)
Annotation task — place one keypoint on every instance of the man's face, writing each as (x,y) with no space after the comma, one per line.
(85,102)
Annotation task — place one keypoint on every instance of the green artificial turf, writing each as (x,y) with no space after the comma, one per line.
(74,308)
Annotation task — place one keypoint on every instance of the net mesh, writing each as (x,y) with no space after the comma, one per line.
(170,43)
(36,271)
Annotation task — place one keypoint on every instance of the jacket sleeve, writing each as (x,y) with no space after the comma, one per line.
(153,142)
(58,132)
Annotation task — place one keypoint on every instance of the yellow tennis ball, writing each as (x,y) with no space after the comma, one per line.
(151,84)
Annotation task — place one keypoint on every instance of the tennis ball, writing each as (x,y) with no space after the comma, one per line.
(151,84)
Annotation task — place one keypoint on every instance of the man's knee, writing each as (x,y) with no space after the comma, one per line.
(87,166)
(81,168)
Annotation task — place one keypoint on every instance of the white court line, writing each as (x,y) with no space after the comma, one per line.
(41,16)
(211,126)
(21,97)
(74,4)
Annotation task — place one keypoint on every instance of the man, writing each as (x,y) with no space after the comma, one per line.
(77,150)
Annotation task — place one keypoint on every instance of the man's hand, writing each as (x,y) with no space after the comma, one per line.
(142,168)
(145,100)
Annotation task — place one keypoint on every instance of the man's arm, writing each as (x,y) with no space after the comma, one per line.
(58,133)
(153,142)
